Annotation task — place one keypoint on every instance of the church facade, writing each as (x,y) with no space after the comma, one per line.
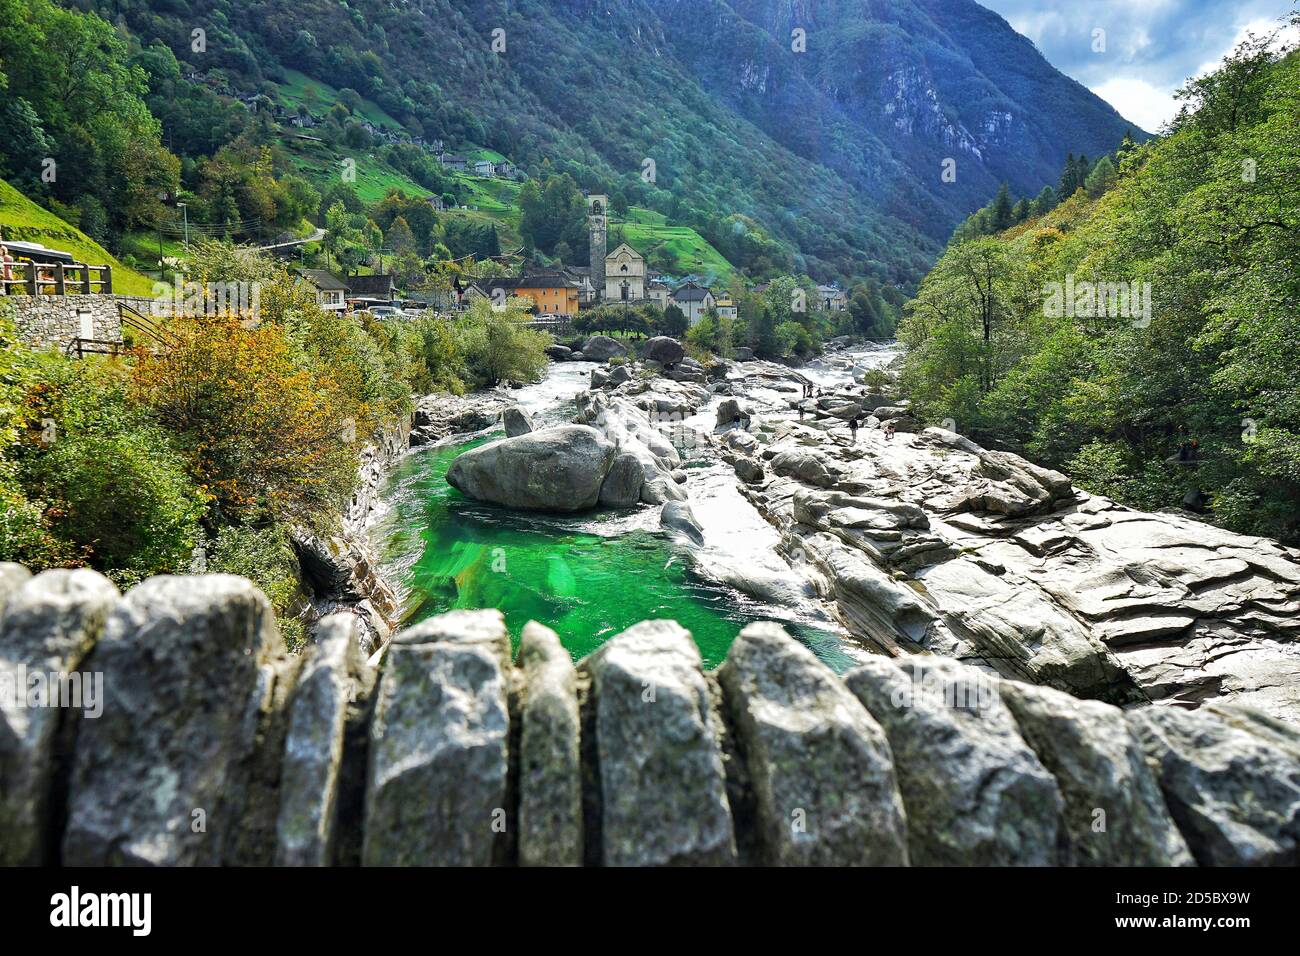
(625,275)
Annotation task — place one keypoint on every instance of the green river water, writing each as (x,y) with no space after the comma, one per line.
(587,576)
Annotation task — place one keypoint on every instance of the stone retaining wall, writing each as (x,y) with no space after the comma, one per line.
(211,745)
(52,321)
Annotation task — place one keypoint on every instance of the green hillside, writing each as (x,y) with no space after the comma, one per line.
(22,219)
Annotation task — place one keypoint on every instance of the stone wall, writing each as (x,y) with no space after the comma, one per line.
(52,321)
(208,744)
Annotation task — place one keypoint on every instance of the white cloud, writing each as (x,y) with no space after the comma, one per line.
(1139,101)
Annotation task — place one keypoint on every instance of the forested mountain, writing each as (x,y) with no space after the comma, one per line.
(1142,334)
(830,141)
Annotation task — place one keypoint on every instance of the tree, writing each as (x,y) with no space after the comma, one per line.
(1003,217)
(1101,178)
(261,431)
(552,212)
(498,347)
(673,321)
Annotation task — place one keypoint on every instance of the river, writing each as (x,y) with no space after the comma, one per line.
(591,576)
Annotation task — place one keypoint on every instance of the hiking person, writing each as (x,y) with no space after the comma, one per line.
(889,431)
(853,431)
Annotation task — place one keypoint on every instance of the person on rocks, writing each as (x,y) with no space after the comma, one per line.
(889,431)
(853,431)
(802,409)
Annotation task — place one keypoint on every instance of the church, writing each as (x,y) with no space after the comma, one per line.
(624,269)
(624,275)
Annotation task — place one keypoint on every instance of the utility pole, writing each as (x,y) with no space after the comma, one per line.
(186,211)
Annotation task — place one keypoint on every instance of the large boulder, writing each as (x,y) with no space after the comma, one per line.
(553,469)
(824,789)
(47,627)
(678,516)
(333,676)
(436,792)
(601,348)
(550,776)
(729,410)
(559,353)
(1233,786)
(975,793)
(1114,812)
(516,421)
(623,484)
(663,350)
(660,785)
(165,775)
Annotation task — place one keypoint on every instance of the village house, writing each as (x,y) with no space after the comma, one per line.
(694,300)
(550,293)
(454,163)
(658,292)
(506,169)
(372,290)
(831,298)
(484,167)
(625,275)
(726,306)
(331,291)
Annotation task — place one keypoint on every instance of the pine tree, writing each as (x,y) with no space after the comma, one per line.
(1002,217)
(1043,203)
(1101,178)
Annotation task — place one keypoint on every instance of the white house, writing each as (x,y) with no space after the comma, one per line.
(484,167)
(694,300)
(331,291)
(831,298)
(658,292)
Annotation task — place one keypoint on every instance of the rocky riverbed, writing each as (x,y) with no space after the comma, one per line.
(919,541)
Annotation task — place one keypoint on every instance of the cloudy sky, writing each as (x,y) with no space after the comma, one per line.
(1151,46)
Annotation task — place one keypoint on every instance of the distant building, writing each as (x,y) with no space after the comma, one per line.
(694,300)
(373,290)
(331,291)
(831,298)
(658,292)
(726,306)
(551,293)
(437,203)
(456,164)
(484,167)
(624,275)
(506,169)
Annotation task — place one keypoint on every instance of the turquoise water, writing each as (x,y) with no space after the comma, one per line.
(587,577)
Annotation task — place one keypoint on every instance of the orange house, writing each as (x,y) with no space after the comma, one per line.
(551,294)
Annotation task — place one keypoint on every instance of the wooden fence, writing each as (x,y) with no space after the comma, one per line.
(55,278)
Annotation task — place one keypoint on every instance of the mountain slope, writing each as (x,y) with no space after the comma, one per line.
(21,219)
(836,152)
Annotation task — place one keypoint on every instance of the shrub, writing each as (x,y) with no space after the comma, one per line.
(123,500)
(498,348)
(261,431)
(265,557)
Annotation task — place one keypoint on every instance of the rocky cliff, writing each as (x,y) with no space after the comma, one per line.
(206,744)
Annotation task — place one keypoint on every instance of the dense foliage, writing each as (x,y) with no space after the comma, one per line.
(1200,395)
(202,452)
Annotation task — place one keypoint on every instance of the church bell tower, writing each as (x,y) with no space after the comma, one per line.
(597,219)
